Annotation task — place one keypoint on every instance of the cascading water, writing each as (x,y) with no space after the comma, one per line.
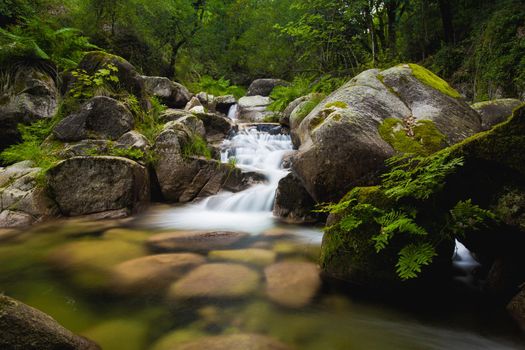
(232,113)
(249,210)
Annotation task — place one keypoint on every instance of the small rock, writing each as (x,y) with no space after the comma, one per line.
(264,87)
(216,281)
(194,102)
(169,92)
(194,240)
(235,342)
(292,284)
(151,274)
(253,256)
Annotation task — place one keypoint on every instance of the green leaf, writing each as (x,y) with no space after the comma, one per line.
(412,258)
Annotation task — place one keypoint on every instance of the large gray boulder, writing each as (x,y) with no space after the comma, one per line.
(30,95)
(340,146)
(22,200)
(86,185)
(264,87)
(23,327)
(254,108)
(170,93)
(495,111)
(99,118)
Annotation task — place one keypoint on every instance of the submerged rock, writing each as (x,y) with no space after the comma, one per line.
(264,87)
(86,185)
(292,284)
(235,342)
(195,240)
(252,256)
(170,93)
(495,111)
(151,274)
(221,281)
(23,327)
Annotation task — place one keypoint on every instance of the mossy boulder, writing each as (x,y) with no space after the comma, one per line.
(172,94)
(23,327)
(340,146)
(495,111)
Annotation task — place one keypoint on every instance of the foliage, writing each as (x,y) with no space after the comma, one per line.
(467,216)
(196,147)
(419,137)
(217,87)
(147,123)
(272,118)
(412,257)
(86,86)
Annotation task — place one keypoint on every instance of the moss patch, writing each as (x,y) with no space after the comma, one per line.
(432,80)
(337,104)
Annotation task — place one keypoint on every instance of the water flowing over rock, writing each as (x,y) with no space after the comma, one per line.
(23,327)
(86,185)
(495,111)
(340,144)
(223,281)
(170,93)
(30,96)
(101,117)
(263,87)
(224,103)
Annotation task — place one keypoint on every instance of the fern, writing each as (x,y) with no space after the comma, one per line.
(395,222)
(412,257)
(217,87)
(468,216)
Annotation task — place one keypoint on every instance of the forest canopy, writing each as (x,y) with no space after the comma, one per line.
(477,45)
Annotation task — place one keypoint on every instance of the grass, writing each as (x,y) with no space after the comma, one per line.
(197,147)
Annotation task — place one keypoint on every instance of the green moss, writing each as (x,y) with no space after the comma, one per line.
(337,104)
(408,136)
(306,107)
(432,80)
(272,118)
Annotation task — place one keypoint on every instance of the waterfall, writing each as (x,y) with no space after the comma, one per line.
(249,210)
(232,112)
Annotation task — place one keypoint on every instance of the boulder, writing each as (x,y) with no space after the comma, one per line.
(193,103)
(293,202)
(264,87)
(195,241)
(252,256)
(254,108)
(207,101)
(171,114)
(292,283)
(30,96)
(224,103)
(217,127)
(23,327)
(135,140)
(495,111)
(217,281)
(85,148)
(329,165)
(235,342)
(516,308)
(86,185)
(170,93)
(101,117)
(151,274)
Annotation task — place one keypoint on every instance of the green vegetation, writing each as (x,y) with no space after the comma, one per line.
(336,104)
(271,118)
(217,87)
(419,137)
(197,147)
(101,83)
(306,107)
(432,80)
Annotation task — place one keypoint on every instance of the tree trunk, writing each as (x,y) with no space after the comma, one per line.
(446,18)
(391,13)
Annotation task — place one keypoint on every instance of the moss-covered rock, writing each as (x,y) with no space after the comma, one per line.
(495,111)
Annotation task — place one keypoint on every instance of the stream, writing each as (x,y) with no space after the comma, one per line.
(64,268)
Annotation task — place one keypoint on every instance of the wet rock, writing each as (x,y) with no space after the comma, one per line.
(495,111)
(23,327)
(516,308)
(32,95)
(222,281)
(195,241)
(151,274)
(235,342)
(86,185)
(263,87)
(254,108)
(224,103)
(252,256)
(292,284)
(170,93)
(293,202)
(101,117)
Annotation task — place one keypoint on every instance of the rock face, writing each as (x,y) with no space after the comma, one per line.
(328,164)
(151,274)
(22,201)
(23,327)
(86,185)
(223,281)
(516,308)
(101,117)
(194,240)
(235,342)
(293,202)
(253,108)
(32,95)
(263,87)
(495,111)
(292,284)
(170,93)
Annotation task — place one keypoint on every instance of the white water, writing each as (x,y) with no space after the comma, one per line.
(465,262)
(232,113)
(249,210)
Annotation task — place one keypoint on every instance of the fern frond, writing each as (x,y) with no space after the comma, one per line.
(412,258)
